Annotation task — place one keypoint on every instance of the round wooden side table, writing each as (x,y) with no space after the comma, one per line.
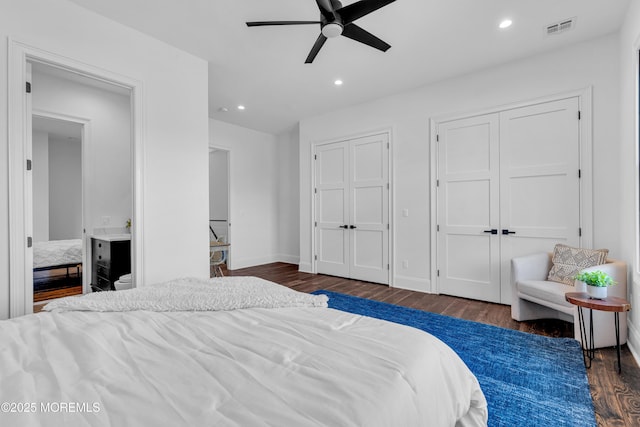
(611,304)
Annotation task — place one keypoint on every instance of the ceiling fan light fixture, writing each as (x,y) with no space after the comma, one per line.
(332,30)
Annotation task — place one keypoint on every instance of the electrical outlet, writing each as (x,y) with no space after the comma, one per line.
(405,213)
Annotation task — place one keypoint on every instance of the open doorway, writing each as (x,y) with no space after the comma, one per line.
(219,224)
(57,209)
(81,226)
(121,134)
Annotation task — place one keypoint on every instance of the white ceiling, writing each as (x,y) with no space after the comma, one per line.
(263,68)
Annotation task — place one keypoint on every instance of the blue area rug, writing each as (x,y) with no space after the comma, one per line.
(528,380)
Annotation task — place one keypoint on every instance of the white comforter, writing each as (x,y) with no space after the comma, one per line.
(57,252)
(193,294)
(293,366)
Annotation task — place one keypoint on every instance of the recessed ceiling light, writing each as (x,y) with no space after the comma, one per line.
(240,107)
(338,82)
(223,109)
(505,24)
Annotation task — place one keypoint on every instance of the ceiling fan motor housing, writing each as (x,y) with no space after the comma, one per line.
(331,30)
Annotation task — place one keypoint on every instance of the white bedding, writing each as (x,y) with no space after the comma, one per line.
(193,294)
(57,252)
(292,366)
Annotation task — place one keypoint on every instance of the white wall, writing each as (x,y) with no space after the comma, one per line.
(263,194)
(253,193)
(65,189)
(40,182)
(174,127)
(593,63)
(289,196)
(108,170)
(627,205)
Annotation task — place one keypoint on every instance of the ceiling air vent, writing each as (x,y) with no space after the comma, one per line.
(561,27)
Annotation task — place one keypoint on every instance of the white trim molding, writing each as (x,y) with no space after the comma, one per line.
(633,337)
(433,207)
(412,283)
(19,54)
(305,267)
(635,268)
(288,259)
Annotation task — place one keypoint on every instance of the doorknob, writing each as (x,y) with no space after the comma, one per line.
(343,226)
(352,227)
(506,232)
(492,231)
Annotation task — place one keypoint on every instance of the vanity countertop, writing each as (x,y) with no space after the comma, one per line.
(111,237)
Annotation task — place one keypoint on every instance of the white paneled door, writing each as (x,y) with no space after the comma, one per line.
(539,181)
(468,208)
(509,185)
(352,208)
(332,209)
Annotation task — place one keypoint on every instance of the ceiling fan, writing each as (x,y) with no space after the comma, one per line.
(336,20)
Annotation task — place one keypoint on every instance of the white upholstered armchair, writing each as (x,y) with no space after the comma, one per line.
(535,297)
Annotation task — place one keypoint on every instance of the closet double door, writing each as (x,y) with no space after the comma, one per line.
(508,185)
(352,208)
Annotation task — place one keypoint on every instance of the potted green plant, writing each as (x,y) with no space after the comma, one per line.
(597,282)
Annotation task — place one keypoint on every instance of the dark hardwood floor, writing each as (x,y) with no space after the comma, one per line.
(616,397)
(56,283)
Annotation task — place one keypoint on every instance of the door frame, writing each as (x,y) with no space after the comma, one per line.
(19,134)
(585,162)
(391,195)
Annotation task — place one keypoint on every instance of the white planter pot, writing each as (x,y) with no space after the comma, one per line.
(597,292)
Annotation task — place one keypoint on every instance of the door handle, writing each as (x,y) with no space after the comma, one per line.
(343,226)
(492,231)
(352,227)
(506,232)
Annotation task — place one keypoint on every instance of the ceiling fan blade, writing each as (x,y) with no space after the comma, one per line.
(264,23)
(326,9)
(356,33)
(315,49)
(361,8)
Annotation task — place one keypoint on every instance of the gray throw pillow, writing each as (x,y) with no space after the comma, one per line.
(568,261)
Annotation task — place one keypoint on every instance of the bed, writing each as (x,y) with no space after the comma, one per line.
(55,254)
(233,351)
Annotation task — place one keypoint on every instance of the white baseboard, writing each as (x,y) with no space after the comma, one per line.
(412,284)
(633,342)
(305,267)
(289,259)
(237,264)
(253,262)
